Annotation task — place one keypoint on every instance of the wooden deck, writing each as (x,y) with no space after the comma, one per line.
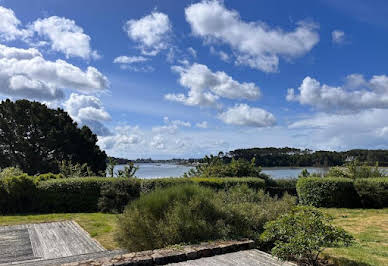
(240,258)
(45,241)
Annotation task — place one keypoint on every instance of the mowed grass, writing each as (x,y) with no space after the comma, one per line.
(100,226)
(370,229)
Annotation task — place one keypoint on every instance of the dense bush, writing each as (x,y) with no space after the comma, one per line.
(226,183)
(71,194)
(48,176)
(10,172)
(327,192)
(281,186)
(17,194)
(190,213)
(373,192)
(216,167)
(215,183)
(115,195)
(302,234)
(355,170)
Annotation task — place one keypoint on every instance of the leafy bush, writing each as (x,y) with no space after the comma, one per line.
(216,167)
(373,192)
(10,172)
(148,185)
(302,234)
(129,170)
(115,195)
(226,183)
(71,194)
(17,194)
(48,176)
(281,186)
(190,213)
(354,170)
(327,192)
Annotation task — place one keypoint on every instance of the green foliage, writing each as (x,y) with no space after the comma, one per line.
(373,192)
(216,167)
(355,169)
(281,186)
(34,137)
(327,192)
(190,213)
(302,234)
(149,185)
(17,194)
(128,171)
(10,172)
(304,173)
(48,176)
(70,170)
(71,194)
(115,195)
(110,168)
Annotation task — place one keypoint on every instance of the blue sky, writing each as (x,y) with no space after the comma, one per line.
(166,79)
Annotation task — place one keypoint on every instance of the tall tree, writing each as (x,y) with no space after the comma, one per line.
(35,138)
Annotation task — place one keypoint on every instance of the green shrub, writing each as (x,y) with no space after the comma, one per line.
(373,192)
(190,213)
(302,234)
(17,194)
(216,167)
(226,183)
(327,192)
(281,186)
(180,214)
(71,194)
(115,195)
(11,172)
(148,185)
(48,176)
(355,170)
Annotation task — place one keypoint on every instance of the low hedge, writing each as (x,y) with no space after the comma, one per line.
(215,183)
(71,194)
(327,192)
(17,194)
(373,192)
(277,187)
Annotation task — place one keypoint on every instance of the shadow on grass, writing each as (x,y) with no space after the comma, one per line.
(341,261)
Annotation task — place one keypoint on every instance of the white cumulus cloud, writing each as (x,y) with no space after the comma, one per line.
(152,32)
(88,110)
(129,59)
(65,36)
(357,94)
(10,26)
(205,87)
(25,73)
(244,115)
(254,43)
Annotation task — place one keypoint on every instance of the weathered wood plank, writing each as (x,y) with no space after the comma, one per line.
(45,241)
(240,258)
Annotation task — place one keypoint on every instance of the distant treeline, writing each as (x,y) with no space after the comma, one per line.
(273,157)
(289,157)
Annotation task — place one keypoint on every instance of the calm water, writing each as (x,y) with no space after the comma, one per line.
(156,170)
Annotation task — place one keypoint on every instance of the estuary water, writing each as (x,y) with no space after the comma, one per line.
(160,170)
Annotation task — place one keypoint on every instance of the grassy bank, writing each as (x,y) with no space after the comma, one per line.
(368,226)
(370,229)
(100,226)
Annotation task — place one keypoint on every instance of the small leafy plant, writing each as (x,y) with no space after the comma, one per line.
(302,234)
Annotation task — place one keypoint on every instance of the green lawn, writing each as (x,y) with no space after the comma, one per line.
(101,226)
(369,227)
